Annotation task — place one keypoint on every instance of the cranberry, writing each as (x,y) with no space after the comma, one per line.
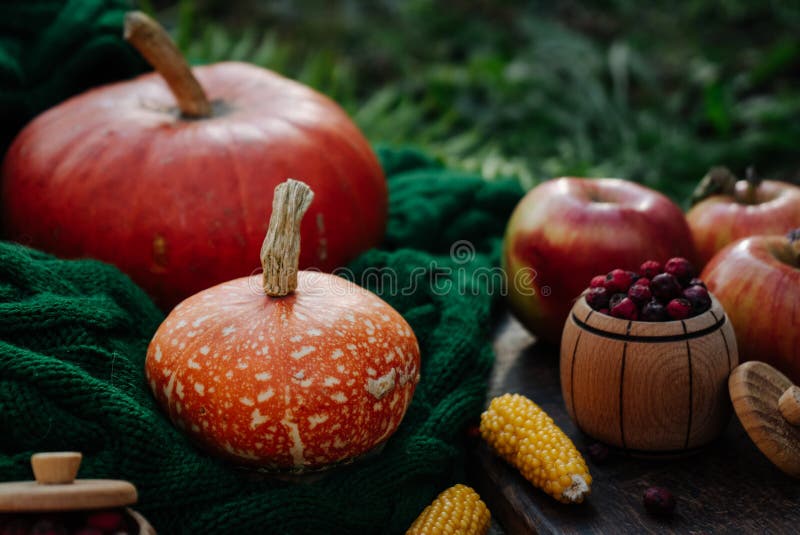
(654,311)
(106,520)
(681,269)
(665,287)
(597,298)
(618,280)
(697,282)
(650,269)
(597,281)
(658,501)
(640,294)
(679,308)
(642,281)
(625,309)
(698,297)
(615,299)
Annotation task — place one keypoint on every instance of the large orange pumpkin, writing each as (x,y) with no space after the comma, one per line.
(176,195)
(289,371)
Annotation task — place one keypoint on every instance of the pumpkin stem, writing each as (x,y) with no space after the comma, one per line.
(280,252)
(155,45)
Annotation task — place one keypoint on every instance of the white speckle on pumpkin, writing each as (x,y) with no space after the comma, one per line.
(193,364)
(349,317)
(340,368)
(331,381)
(315,419)
(370,326)
(263,376)
(314,332)
(339,397)
(180,324)
(296,338)
(383,385)
(196,323)
(246,401)
(337,353)
(257,419)
(242,365)
(195,429)
(158,353)
(302,352)
(298,448)
(338,443)
(229,374)
(228,330)
(372,372)
(178,407)
(168,389)
(179,389)
(205,350)
(191,334)
(200,388)
(385,318)
(377,406)
(352,347)
(265,395)
(174,342)
(372,340)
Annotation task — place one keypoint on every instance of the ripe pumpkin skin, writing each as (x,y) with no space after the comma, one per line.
(180,204)
(291,383)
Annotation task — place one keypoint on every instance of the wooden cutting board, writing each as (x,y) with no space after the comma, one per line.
(728,487)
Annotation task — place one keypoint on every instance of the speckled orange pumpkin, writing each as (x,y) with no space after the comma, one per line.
(319,375)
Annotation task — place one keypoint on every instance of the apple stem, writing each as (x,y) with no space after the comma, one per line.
(154,44)
(280,253)
(753,182)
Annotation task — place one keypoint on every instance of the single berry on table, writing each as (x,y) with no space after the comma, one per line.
(658,501)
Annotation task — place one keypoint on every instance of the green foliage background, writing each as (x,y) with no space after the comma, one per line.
(655,92)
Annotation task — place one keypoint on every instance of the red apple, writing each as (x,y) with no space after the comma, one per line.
(757,280)
(770,207)
(567,230)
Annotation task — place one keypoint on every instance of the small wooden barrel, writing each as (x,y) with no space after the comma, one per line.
(651,388)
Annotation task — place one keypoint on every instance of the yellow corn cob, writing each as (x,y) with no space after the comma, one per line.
(524,435)
(458,509)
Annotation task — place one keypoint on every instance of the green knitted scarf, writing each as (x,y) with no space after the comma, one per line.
(73,337)
(53,49)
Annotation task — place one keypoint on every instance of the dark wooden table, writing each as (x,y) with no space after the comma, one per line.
(729,487)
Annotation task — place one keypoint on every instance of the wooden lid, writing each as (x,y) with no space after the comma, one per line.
(768,406)
(56,489)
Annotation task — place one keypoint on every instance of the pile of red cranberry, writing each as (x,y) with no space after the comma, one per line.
(653,294)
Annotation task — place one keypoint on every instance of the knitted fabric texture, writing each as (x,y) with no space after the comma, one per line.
(53,49)
(73,338)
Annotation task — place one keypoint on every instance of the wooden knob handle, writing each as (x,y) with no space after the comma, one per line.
(789,405)
(56,468)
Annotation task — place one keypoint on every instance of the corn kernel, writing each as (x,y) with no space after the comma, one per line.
(520,432)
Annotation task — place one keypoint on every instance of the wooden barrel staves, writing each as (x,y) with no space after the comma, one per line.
(651,388)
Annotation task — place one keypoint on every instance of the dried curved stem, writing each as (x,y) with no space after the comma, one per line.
(280,252)
(153,42)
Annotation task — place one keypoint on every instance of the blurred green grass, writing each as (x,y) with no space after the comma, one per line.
(655,93)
